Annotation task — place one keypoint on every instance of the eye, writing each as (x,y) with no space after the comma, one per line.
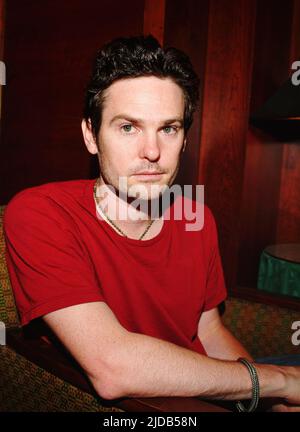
(170,130)
(127,128)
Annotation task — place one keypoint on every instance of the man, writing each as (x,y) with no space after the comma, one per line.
(135,300)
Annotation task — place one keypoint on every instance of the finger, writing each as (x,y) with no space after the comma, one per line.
(285,408)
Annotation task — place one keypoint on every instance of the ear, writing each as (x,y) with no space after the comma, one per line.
(88,136)
(184,144)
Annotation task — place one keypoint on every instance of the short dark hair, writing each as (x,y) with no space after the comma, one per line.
(134,57)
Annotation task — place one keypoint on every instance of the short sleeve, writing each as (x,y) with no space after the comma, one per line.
(46,260)
(215,292)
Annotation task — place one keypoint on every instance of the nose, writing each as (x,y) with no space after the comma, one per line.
(150,147)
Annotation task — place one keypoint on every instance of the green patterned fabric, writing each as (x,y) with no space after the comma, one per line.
(8,310)
(26,387)
(278,275)
(264,330)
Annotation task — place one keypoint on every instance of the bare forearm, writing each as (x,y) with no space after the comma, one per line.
(221,344)
(150,367)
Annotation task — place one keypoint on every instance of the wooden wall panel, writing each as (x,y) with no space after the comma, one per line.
(288,224)
(2,6)
(225,113)
(2,29)
(49,47)
(186,29)
(260,203)
(154,18)
(264,157)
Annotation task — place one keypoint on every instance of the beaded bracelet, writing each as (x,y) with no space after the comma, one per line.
(255,388)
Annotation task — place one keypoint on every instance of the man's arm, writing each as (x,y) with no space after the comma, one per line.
(124,364)
(217,340)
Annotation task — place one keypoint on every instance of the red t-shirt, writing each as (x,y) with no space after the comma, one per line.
(60,253)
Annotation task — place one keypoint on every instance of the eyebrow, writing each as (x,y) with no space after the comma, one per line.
(137,120)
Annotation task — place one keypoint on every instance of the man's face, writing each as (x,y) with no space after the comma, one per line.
(141,135)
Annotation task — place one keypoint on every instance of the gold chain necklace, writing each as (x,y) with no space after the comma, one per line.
(111,221)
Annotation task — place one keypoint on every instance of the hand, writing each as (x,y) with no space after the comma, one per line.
(291,401)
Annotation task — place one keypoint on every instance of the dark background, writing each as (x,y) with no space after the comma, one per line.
(242,50)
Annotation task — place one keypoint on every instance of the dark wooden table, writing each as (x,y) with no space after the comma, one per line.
(288,252)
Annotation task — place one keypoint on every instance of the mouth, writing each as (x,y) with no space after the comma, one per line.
(148,175)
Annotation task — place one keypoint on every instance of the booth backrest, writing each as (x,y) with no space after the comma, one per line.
(8,310)
(266,330)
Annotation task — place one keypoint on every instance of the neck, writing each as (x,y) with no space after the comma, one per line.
(123,217)
(123,209)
